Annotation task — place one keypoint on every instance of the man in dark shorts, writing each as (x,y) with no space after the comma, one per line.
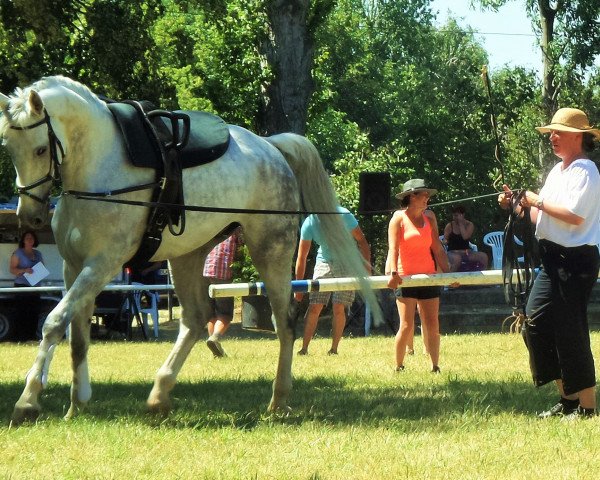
(217,269)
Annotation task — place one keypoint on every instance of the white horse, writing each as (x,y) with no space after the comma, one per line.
(57,128)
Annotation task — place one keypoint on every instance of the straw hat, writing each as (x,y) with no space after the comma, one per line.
(570,120)
(415,185)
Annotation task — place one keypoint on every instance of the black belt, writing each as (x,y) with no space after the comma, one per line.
(551,247)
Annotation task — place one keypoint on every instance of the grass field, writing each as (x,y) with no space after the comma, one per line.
(353,417)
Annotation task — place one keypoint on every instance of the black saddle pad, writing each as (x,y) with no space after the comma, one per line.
(208,139)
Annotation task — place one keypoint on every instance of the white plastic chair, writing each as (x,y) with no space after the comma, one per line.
(443,244)
(151,309)
(496,241)
(519,242)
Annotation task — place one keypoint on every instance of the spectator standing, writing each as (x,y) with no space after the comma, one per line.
(326,267)
(217,270)
(566,213)
(414,247)
(22,261)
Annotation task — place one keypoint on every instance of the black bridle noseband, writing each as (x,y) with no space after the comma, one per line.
(53,174)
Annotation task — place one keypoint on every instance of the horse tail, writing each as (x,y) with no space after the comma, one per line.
(317,194)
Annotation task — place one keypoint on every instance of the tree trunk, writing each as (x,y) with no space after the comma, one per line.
(289,51)
(549,89)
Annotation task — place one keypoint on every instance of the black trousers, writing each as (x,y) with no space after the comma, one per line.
(28,314)
(556,333)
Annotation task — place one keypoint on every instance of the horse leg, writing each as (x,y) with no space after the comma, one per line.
(192,292)
(55,326)
(79,339)
(68,311)
(27,407)
(273,259)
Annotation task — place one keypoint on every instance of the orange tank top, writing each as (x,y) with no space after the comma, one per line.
(414,254)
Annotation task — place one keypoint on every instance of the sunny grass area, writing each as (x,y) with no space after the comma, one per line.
(353,417)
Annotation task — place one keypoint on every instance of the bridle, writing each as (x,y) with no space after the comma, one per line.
(53,174)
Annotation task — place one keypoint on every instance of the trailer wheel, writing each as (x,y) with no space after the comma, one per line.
(7,326)
(45,309)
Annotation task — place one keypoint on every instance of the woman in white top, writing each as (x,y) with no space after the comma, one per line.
(566,213)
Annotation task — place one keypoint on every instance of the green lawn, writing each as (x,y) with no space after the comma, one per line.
(353,417)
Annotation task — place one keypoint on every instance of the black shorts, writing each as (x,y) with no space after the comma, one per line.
(420,293)
(221,306)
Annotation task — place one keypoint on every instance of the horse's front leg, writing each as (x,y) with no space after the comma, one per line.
(79,339)
(74,309)
(28,406)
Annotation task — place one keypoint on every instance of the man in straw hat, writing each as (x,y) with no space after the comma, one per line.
(566,213)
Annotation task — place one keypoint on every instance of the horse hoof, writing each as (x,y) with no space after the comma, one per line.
(279,410)
(71,413)
(159,408)
(22,414)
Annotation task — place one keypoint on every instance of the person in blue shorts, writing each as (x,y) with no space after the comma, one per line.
(326,267)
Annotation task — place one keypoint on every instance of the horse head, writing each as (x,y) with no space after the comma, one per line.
(27,132)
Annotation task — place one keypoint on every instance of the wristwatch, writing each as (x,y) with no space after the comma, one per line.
(540,203)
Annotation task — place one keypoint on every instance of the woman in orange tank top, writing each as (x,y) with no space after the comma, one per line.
(415,247)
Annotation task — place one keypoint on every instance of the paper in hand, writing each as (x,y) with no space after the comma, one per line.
(39,273)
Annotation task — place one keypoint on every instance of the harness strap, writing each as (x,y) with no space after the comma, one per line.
(110,193)
(197,208)
(167,200)
(517,294)
(53,174)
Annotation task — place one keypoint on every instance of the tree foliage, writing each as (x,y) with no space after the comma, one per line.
(378,86)
(569,39)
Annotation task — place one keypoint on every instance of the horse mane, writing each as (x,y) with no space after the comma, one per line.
(18,111)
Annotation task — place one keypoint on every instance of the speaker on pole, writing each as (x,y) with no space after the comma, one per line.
(374,189)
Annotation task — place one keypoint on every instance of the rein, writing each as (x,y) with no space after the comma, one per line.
(53,174)
(515,294)
(102,197)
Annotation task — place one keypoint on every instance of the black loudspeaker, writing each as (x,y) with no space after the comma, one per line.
(374,188)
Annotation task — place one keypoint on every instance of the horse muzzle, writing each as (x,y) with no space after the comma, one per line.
(33,214)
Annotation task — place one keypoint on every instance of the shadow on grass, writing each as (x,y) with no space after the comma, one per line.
(242,404)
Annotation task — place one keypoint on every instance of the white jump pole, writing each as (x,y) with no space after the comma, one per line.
(485,277)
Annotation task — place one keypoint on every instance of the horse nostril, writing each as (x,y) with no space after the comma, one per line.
(38,222)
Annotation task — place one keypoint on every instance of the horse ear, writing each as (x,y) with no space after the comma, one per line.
(3,101)
(36,103)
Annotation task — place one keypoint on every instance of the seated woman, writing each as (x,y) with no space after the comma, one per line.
(456,236)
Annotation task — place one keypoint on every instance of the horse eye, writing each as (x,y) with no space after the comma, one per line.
(40,151)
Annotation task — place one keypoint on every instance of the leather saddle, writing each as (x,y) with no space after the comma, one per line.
(168,142)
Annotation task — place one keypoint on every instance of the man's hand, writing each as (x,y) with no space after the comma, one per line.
(504,198)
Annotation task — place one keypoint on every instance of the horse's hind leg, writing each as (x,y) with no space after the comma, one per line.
(272,257)
(192,292)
